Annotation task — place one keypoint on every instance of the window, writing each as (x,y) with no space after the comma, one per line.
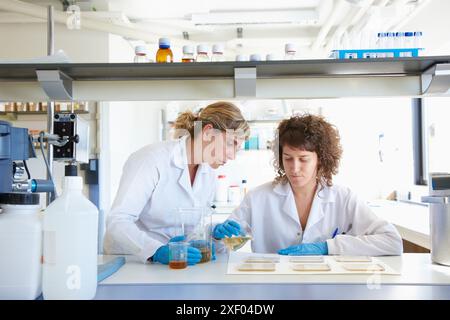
(437,133)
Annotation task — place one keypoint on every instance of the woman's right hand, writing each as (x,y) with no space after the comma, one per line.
(162,254)
(227,229)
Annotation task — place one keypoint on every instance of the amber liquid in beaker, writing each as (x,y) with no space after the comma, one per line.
(164,56)
(206,254)
(177,264)
(188,60)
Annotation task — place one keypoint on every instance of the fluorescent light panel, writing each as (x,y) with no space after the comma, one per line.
(303,17)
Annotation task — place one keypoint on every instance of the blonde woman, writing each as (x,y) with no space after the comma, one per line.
(302,212)
(162,177)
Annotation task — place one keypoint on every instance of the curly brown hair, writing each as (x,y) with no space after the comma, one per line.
(311,133)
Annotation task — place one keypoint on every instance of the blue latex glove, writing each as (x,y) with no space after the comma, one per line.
(202,243)
(226,229)
(162,254)
(306,249)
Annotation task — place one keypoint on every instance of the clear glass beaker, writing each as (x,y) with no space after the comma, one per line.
(178,252)
(196,226)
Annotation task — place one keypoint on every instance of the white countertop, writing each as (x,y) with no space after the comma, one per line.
(415,268)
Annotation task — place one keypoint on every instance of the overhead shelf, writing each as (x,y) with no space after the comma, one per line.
(224,80)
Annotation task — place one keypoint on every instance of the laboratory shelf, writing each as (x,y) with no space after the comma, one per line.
(217,80)
(223,70)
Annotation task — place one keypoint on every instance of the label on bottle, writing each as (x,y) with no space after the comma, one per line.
(49,256)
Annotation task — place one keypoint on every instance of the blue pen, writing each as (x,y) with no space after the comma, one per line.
(335,233)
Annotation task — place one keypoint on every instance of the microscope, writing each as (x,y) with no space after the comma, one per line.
(70,140)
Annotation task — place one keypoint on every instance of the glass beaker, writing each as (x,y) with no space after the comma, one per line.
(196,224)
(178,255)
(236,242)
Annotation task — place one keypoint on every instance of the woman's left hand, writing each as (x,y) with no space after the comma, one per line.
(306,249)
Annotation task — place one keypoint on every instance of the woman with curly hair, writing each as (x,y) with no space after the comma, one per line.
(302,212)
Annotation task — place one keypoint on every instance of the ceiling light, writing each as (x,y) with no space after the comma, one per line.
(294,16)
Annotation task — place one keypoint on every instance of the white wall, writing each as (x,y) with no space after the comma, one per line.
(132,125)
(433,21)
(30,40)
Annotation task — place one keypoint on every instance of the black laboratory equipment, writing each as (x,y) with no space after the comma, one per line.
(16,148)
(71,145)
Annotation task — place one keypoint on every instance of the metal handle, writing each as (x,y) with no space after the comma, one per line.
(438,200)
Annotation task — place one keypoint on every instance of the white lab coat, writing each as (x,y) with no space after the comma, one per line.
(271,213)
(155,182)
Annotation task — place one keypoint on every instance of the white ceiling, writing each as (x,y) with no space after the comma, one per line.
(316,26)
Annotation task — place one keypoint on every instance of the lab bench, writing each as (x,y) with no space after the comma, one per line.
(419,279)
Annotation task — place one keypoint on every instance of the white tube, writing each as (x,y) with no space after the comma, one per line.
(37,11)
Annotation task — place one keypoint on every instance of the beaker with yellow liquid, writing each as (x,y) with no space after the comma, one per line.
(236,242)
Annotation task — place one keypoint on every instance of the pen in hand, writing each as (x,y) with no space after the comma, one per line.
(335,233)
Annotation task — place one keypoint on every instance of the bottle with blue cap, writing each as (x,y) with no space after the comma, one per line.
(409,40)
(418,39)
(164,54)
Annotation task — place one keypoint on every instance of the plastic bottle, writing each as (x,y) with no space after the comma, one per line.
(290,51)
(381,43)
(221,189)
(399,40)
(140,54)
(418,39)
(241,57)
(234,194)
(20,246)
(217,53)
(70,244)
(243,188)
(255,57)
(409,40)
(202,53)
(390,38)
(188,54)
(164,54)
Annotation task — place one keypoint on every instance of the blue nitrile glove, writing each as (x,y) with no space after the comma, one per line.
(162,254)
(202,243)
(306,249)
(226,229)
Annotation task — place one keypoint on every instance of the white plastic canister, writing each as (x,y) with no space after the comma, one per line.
(221,189)
(70,245)
(20,246)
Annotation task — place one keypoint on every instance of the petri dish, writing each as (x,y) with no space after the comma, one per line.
(257,267)
(353,259)
(306,259)
(367,267)
(310,267)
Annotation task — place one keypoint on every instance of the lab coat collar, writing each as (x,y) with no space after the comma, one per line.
(179,158)
(289,208)
(326,195)
(323,195)
(180,161)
